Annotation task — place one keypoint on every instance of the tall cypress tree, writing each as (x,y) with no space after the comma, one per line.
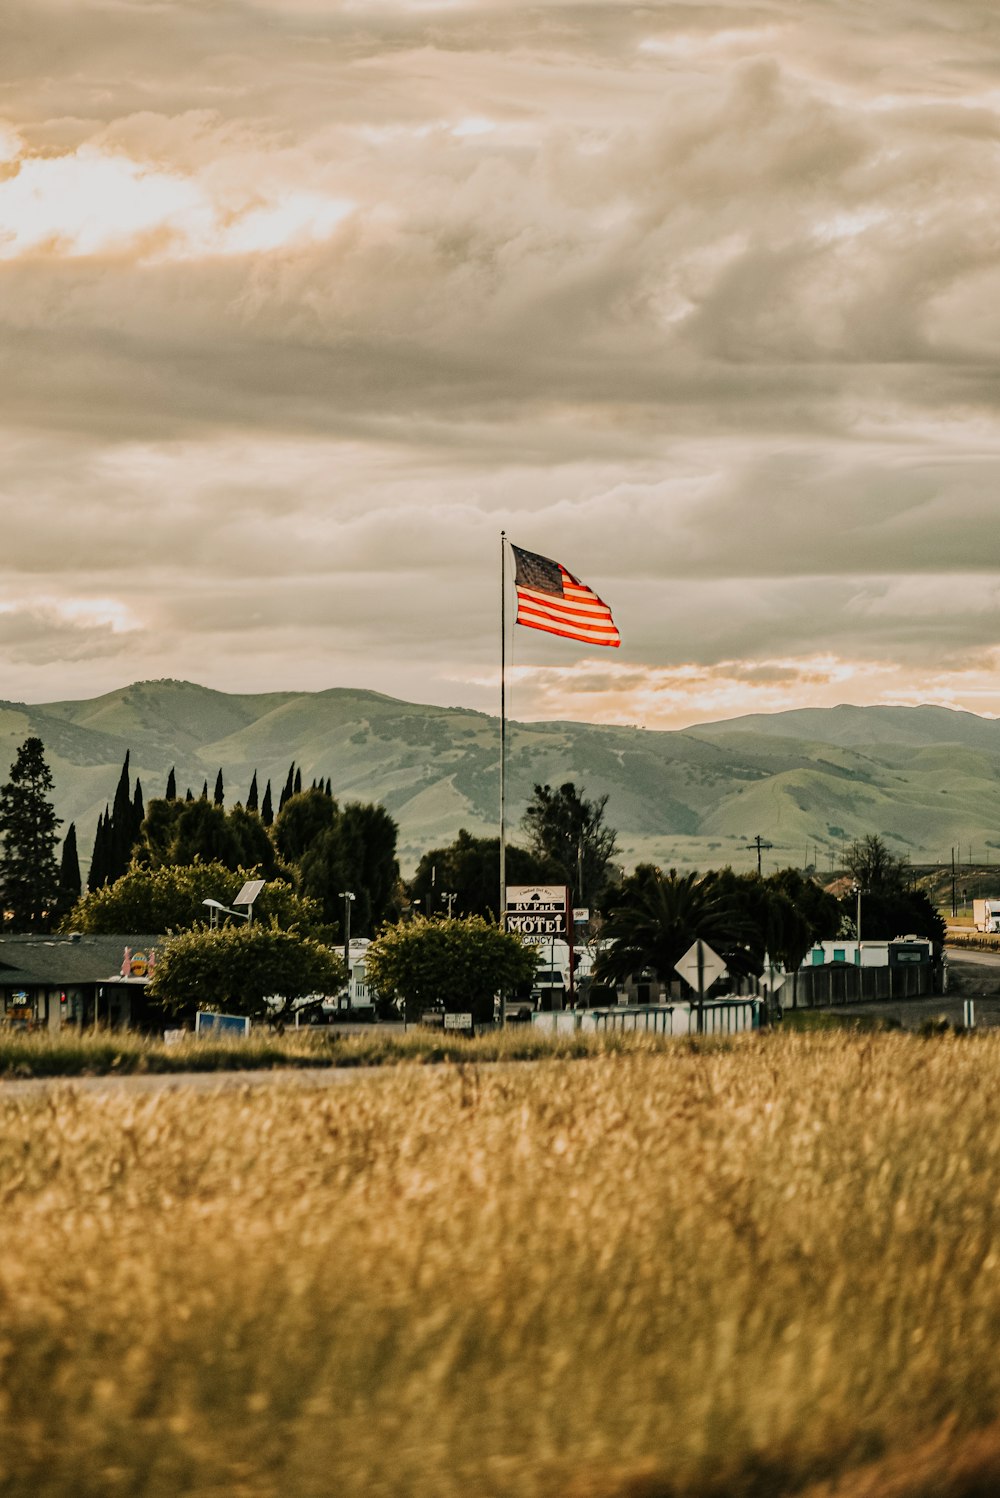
(190,794)
(98,876)
(288,789)
(170,794)
(298,783)
(70,887)
(253,802)
(204,791)
(266,809)
(220,794)
(120,838)
(329,787)
(138,813)
(29,874)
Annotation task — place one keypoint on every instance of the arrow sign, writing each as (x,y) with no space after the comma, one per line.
(700,966)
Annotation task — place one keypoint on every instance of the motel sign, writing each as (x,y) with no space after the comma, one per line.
(539,912)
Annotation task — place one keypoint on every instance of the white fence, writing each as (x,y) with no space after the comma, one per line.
(718,1017)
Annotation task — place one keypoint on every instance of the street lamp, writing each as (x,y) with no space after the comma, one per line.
(216,905)
(348,898)
(857,923)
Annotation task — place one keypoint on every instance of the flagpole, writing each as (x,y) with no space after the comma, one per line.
(502,907)
(503,731)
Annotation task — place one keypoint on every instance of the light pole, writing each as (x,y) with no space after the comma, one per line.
(348,897)
(216,905)
(857,923)
(451,896)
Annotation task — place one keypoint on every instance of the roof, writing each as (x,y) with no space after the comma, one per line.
(59,961)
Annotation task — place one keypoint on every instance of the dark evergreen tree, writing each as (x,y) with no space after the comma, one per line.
(70,887)
(288,789)
(253,803)
(120,837)
(98,875)
(220,794)
(329,788)
(171,792)
(267,810)
(297,791)
(29,874)
(204,791)
(138,811)
(190,794)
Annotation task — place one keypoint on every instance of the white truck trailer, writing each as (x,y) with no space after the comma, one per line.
(986,915)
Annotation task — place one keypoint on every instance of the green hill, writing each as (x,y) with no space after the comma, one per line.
(806,781)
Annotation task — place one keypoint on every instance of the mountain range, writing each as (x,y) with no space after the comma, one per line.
(805,781)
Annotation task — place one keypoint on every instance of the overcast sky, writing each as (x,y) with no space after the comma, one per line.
(303,302)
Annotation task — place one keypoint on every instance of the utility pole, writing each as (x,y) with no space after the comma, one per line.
(760,845)
(348,897)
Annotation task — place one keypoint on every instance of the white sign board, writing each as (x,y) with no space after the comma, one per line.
(537,911)
(699,959)
(458,1021)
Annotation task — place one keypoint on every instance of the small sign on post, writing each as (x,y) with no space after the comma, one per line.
(458,1022)
(700,967)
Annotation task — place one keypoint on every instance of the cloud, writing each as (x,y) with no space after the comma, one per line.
(301,304)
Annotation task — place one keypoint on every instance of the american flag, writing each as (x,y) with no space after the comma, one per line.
(550,598)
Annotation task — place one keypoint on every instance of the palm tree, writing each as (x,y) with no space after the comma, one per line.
(653,918)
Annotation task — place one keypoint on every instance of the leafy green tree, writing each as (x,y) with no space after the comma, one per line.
(816,905)
(257,970)
(368,836)
(652,918)
(301,821)
(872,866)
(251,846)
(888,913)
(171,898)
(569,831)
(334,850)
(765,921)
(29,874)
(181,832)
(888,907)
(457,964)
(470,869)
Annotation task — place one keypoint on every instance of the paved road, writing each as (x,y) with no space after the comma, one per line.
(198,1081)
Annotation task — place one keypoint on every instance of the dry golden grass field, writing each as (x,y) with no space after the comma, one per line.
(764,1269)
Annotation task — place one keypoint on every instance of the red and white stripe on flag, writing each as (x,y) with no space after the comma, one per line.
(552,599)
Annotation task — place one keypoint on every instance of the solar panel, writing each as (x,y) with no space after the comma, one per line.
(249,892)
